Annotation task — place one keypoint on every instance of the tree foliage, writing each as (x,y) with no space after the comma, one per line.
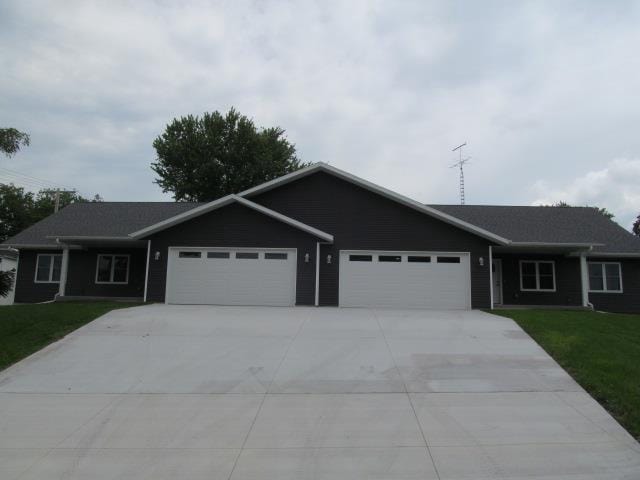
(601,210)
(20,209)
(7,278)
(636,226)
(204,158)
(11,140)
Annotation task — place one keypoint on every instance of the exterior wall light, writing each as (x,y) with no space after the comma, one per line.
(306,258)
(329,258)
(156,255)
(481,261)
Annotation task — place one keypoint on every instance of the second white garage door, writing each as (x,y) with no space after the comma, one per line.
(405,280)
(231,276)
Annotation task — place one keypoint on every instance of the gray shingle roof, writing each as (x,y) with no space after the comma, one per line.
(548,224)
(108,219)
(519,224)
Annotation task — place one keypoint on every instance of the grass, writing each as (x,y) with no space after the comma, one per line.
(601,351)
(25,329)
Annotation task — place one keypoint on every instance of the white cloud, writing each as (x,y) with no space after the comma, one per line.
(614,187)
(540,90)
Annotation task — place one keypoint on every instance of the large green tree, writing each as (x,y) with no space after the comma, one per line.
(20,209)
(11,140)
(204,158)
(636,226)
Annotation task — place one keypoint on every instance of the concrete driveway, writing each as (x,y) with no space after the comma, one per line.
(167,392)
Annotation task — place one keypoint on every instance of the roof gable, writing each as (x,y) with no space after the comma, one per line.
(396,197)
(221,202)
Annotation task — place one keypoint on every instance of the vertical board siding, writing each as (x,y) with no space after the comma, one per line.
(234,226)
(362,220)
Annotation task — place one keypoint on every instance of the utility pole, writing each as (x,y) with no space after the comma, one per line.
(460,163)
(57,197)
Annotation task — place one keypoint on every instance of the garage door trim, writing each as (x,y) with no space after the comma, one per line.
(292,250)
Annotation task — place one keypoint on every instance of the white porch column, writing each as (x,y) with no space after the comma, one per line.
(584,279)
(63,272)
(146,271)
(317,292)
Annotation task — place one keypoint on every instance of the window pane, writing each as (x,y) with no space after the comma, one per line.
(529,282)
(120,267)
(104,268)
(57,266)
(190,254)
(217,254)
(545,268)
(417,259)
(448,259)
(360,258)
(389,258)
(247,255)
(613,276)
(546,282)
(44,263)
(275,256)
(596,282)
(528,268)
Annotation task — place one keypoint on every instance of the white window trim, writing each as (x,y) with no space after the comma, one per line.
(604,277)
(113,263)
(537,263)
(35,277)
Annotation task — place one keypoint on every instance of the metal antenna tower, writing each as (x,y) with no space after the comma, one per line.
(460,163)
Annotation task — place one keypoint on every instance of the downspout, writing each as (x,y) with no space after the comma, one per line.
(317,292)
(584,279)
(146,272)
(491,276)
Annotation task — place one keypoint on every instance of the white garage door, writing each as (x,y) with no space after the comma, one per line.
(222,276)
(405,280)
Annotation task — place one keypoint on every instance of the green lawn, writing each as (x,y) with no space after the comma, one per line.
(601,351)
(25,329)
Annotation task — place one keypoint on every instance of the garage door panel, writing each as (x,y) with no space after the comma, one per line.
(213,279)
(404,284)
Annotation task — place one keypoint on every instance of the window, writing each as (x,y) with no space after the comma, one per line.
(48,268)
(605,277)
(247,255)
(360,258)
(537,276)
(113,269)
(189,254)
(389,258)
(448,259)
(418,259)
(218,255)
(275,256)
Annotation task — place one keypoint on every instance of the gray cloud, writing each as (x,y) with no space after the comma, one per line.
(544,92)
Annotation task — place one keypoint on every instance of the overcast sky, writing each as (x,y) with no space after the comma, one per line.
(547,95)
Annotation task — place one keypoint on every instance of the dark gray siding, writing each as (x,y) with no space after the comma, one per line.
(568,287)
(360,219)
(81,276)
(27,291)
(234,226)
(629,300)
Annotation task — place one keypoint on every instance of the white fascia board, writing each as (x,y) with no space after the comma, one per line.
(221,203)
(33,246)
(89,237)
(555,244)
(379,190)
(614,254)
(284,219)
(194,212)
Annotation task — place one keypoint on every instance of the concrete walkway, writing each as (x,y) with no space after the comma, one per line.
(195,392)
